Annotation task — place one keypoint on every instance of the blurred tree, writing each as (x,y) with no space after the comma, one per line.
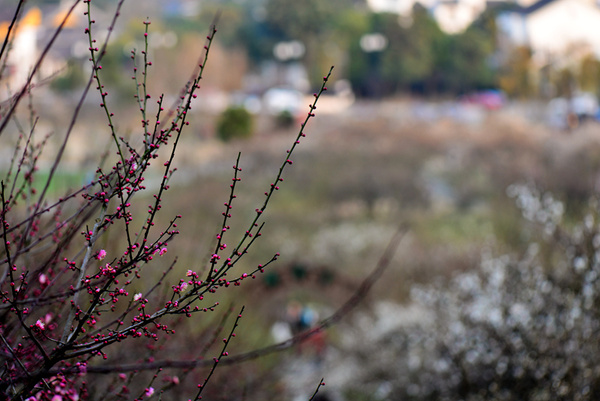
(564,82)
(462,62)
(486,21)
(70,79)
(425,39)
(285,119)
(421,58)
(514,76)
(409,61)
(365,69)
(290,19)
(234,123)
(418,56)
(256,35)
(115,61)
(351,24)
(231,16)
(313,22)
(588,78)
(405,63)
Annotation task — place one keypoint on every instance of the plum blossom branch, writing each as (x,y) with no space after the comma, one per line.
(321,384)
(337,316)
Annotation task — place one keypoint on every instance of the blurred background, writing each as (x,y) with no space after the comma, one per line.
(474,122)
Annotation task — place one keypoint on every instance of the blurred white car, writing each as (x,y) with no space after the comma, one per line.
(278,100)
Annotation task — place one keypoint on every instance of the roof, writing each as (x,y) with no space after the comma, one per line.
(516,8)
(536,6)
(6,13)
(525,10)
(33,17)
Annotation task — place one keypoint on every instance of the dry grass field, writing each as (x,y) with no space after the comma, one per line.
(442,170)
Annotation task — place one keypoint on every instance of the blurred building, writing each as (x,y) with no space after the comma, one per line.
(23,50)
(32,32)
(547,26)
(554,30)
(400,7)
(453,16)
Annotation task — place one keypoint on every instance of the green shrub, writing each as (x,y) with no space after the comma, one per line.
(285,119)
(71,79)
(235,122)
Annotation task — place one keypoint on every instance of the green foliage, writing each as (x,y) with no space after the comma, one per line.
(271,279)
(407,58)
(284,119)
(589,75)
(291,19)
(421,58)
(299,271)
(461,62)
(326,277)
(71,79)
(234,122)
(234,14)
(312,22)
(514,78)
(564,82)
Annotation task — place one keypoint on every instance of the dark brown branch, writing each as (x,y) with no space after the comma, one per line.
(36,67)
(321,384)
(338,315)
(8,37)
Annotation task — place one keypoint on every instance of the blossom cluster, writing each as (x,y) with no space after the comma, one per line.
(519,327)
(70,303)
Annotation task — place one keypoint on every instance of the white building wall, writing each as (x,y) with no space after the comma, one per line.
(563,25)
(456,17)
(23,55)
(400,7)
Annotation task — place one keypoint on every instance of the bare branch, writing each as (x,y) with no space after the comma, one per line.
(338,315)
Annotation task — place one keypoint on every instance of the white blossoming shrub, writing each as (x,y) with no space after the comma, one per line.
(524,327)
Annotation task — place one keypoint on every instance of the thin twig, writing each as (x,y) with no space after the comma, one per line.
(338,315)
(8,37)
(321,384)
(37,65)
